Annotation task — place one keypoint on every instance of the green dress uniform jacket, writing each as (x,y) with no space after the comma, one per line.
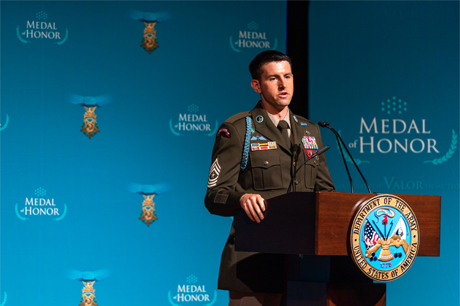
(269,169)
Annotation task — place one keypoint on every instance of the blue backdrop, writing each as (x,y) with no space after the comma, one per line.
(158,128)
(386,74)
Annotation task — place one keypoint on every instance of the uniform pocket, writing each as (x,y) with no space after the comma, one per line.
(266,170)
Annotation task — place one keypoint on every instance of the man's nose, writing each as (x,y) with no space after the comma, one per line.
(282,83)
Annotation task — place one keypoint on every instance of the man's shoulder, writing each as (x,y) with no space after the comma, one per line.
(238,117)
(299,119)
(301,122)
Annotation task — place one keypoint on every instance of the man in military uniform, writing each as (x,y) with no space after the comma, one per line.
(254,158)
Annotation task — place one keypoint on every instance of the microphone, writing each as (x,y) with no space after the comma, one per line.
(318,153)
(327,125)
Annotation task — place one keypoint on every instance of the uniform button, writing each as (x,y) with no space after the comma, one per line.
(296,182)
(266,163)
(293,163)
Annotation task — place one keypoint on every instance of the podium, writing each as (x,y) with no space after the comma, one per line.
(312,230)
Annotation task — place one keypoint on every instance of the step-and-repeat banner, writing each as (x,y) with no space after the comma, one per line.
(386,76)
(109,112)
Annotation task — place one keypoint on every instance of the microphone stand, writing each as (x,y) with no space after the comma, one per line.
(327,125)
(319,152)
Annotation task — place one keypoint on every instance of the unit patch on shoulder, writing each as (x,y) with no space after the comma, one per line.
(309,142)
(263,146)
(223,131)
(214,172)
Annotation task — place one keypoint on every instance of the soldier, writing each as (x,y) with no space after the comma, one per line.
(253,159)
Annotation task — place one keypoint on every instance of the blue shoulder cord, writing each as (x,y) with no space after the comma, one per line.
(244,159)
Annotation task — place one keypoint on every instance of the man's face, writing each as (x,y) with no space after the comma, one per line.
(276,85)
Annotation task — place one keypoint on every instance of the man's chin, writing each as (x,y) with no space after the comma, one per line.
(278,105)
(283,103)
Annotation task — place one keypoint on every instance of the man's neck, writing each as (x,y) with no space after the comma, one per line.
(280,114)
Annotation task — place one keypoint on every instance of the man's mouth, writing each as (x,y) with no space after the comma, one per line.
(283,94)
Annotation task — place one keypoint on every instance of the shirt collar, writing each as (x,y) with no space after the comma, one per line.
(275,119)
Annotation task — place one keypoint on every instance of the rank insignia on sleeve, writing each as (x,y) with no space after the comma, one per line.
(223,131)
(214,172)
(309,142)
(303,123)
(263,146)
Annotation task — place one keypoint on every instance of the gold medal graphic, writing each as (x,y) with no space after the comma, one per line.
(148,212)
(88,278)
(149,40)
(90,126)
(88,296)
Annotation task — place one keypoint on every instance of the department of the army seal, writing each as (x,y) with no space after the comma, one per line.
(384,238)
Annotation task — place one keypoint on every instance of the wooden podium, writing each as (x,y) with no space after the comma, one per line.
(317,225)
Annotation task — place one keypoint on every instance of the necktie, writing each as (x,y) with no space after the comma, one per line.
(283,127)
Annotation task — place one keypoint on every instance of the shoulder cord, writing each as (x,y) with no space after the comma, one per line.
(244,159)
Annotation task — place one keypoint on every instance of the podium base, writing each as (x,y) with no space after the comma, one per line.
(329,281)
(335,294)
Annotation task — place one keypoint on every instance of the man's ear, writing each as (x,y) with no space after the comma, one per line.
(255,84)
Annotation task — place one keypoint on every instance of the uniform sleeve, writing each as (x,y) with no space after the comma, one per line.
(222,197)
(323,177)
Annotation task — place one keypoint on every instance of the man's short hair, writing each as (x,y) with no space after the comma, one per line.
(266,57)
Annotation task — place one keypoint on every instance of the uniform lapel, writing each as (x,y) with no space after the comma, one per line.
(265,126)
(296,130)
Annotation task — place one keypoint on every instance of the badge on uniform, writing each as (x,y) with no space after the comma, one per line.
(258,138)
(309,142)
(223,131)
(263,146)
(310,153)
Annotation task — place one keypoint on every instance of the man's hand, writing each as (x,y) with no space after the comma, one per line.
(254,206)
